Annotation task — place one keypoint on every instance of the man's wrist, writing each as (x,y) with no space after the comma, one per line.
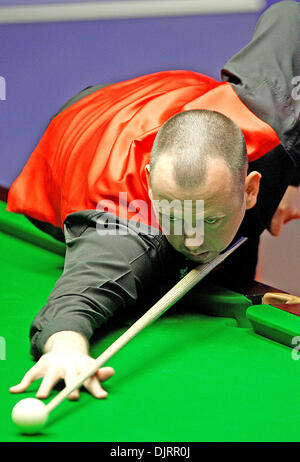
(66,341)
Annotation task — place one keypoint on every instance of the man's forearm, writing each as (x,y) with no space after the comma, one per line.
(102,273)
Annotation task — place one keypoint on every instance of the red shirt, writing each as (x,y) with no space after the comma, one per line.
(99,146)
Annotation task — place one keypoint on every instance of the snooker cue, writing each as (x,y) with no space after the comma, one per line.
(169,299)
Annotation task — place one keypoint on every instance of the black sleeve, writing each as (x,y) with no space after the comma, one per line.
(276,168)
(263,75)
(102,273)
(85,92)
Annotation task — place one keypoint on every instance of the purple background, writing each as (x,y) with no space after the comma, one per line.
(45,64)
(43,2)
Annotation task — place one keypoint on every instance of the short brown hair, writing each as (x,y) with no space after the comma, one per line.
(191,137)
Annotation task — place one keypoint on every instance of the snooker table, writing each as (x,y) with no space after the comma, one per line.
(200,373)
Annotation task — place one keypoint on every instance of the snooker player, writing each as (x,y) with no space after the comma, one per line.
(175,138)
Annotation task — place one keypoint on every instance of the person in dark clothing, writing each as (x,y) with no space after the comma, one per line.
(233,146)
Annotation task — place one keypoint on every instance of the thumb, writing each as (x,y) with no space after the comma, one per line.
(105,373)
(276,223)
(296,213)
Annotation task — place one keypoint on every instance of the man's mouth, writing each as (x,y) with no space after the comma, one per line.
(199,255)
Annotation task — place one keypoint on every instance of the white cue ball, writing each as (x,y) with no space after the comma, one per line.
(30,415)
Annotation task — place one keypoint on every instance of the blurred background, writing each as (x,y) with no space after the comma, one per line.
(50,50)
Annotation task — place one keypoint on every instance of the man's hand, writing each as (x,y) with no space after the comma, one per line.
(66,356)
(288,209)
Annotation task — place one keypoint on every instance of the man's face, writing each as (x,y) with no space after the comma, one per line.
(201,222)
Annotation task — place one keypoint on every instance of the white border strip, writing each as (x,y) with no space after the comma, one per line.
(125,9)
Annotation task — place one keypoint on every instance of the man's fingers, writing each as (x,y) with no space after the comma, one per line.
(53,373)
(70,377)
(32,375)
(50,379)
(281,217)
(74,396)
(92,384)
(276,225)
(105,373)
(22,386)
(94,387)
(295,213)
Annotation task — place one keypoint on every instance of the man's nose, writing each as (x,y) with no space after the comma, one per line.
(194,241)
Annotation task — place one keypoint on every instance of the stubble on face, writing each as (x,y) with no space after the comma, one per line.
(222,200)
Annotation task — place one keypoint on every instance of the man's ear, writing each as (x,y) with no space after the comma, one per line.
(147,170)
(251,189)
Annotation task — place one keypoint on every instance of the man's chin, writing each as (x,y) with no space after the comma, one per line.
(200,258)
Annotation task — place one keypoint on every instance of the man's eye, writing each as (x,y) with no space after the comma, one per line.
(211,221)
(169,218)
